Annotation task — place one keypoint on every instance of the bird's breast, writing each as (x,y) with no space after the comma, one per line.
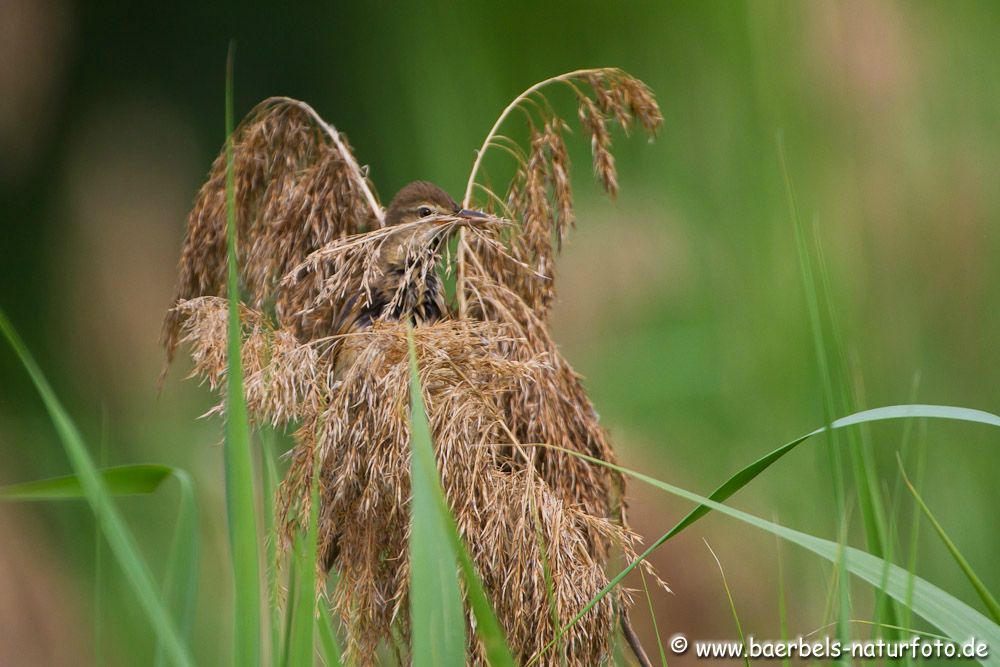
(422,300)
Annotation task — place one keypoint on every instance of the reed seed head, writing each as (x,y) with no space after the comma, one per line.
(331,282)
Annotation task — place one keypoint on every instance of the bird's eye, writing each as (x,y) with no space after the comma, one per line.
(424,211)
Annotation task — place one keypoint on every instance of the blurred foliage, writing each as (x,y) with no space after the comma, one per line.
(681,303)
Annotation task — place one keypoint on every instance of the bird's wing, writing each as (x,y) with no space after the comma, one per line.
(297,187)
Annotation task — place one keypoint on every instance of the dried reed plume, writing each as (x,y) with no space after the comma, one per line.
(314,252)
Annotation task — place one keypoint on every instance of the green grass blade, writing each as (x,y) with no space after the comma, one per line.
(750,472)
(436,615)
(181,581)
(816,328)
(435,518)
(839,394)
(950,615)
(118,481)
(871,503)
(747,474)
(883,602)
(824,365)
(652,617)
(732,604)
(290,604)
(843,590)
(984,594)
(301,647)
(240,506)
(487,626)
(98,631)
(119,538)
(269,487)
(180,586)
(301,604)
(550,593)
(911,560)
(329,647)
(782,606)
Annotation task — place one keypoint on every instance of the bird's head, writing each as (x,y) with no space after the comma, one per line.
(421,200)
(419,218)
(427,214)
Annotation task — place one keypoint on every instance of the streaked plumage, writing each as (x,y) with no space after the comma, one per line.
(409,287)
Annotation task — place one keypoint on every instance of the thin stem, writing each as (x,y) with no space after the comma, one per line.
(516,102)
(467,198)
(345,154)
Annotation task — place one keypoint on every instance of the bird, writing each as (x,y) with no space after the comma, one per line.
(403,257)
(319,258)
(409,288)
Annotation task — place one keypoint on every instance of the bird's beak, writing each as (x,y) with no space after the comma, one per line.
(471,215)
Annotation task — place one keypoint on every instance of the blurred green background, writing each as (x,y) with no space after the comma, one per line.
(681,303)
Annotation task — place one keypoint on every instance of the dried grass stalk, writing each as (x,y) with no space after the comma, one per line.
(329,291)
(359,427)
(324,295)
(539,197)
(297,188)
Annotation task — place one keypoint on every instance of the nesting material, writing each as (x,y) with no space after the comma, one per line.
(540,524)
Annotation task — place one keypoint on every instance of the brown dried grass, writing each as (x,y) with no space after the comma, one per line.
(297,189)
(312,252)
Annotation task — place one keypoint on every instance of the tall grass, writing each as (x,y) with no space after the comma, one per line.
(95,491)
(901,587)
(445,589)
(443,635)
(953,617)
(240,503)
(435,545)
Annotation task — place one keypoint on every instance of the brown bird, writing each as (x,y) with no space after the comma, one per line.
(408,287)
(388,274)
